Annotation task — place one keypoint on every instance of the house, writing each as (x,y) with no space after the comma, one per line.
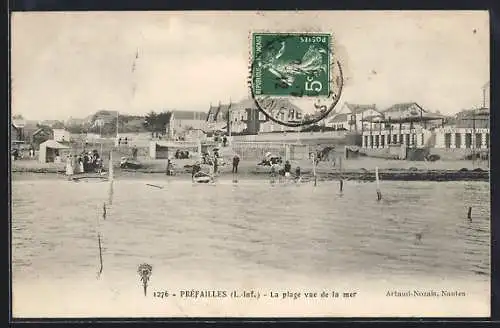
(339,121)
(16,132)
(356,114)
(284,110)
(61,135)
(471,118)
(41,135)
(407,110)
(182,121)
(105,116)
(239,114)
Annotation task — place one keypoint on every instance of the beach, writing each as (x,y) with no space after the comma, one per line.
(358,169)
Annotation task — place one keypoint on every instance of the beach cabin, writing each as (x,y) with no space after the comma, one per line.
(50,150)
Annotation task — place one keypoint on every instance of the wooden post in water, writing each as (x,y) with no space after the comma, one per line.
(469,213)
(341,178)
(110,178)
(377,180)
(314,170)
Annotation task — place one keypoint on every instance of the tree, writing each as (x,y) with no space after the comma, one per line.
(150,122)
(156,122)
(58,125)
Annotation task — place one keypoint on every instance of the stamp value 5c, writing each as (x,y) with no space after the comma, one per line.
(291,64)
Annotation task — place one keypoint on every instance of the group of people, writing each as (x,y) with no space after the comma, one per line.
(284,172)
(84,163)
(214,161)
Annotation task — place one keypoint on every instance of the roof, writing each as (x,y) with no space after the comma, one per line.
(189,115)
(45,128)
(470,113)
(357,108)
(339,118)
(53,144)
(403,107)
(222,112)
(18,123)
(212,111)
(405,119)
(244,104)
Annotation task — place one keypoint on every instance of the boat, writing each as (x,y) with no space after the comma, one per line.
(202,177)
(103,176)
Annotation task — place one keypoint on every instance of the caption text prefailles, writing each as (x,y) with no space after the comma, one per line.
(283,295)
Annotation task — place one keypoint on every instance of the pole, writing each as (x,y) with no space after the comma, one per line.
(314,170)
(379,193)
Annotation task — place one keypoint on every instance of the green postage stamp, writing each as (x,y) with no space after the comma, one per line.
(291,64)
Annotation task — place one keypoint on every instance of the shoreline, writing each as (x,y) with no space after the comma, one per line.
(322,175)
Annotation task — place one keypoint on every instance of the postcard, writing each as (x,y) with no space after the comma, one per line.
(250,164)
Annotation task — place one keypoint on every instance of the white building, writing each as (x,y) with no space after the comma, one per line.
(339,122)
(355,115)
(62,135)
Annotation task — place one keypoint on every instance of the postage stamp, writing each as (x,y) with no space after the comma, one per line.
(288,64)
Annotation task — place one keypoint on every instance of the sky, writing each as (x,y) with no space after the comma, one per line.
(67,64)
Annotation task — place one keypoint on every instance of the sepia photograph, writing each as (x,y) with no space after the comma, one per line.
(177,164)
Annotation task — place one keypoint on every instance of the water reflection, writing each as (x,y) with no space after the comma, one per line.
(419,228)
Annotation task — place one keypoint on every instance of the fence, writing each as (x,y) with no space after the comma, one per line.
(257,150)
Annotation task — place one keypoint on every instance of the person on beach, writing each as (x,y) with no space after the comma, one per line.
(169,167)
(69,166)
(287,169)
(195,169)
(274,169)
(297,174)
(236,161)
(216,164)
(80,164)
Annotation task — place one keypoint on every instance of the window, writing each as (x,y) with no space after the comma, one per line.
(458,140)
(366,141)
(487,141)
(377,141)
(395,139)
(479,140)
(468,140)
(423,141)
(447,140)
(371,141)
(407,141)
(382,141)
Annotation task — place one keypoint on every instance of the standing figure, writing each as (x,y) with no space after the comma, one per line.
(69,166)
(236,161)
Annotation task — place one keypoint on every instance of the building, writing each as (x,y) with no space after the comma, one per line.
(15,133)
(470,129)
(104,117)
(41,135)
(283,110)
(339,122)
(401,124)
(182,121)
(61,135)
(356,116)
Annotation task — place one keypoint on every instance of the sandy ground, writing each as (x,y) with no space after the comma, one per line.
(246,167)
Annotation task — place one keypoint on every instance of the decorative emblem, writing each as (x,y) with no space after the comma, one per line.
(144,270)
